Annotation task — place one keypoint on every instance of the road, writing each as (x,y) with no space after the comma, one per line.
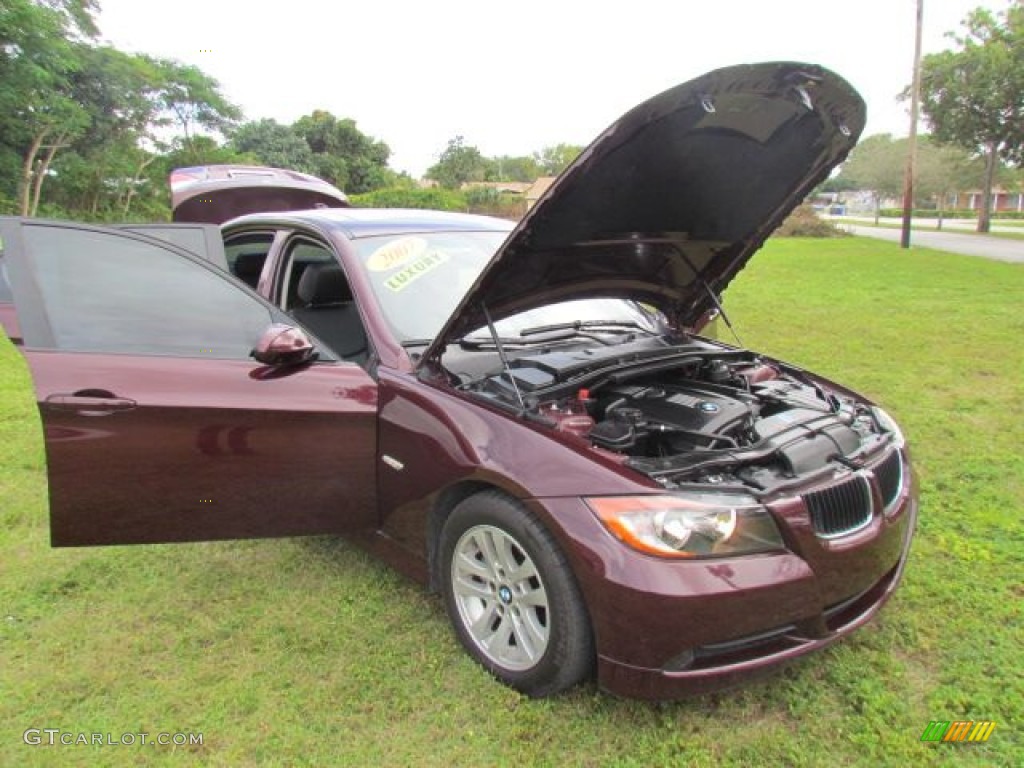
(997,248)
(920,222)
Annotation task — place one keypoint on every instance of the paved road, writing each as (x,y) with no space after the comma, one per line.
(998,248)
(920,222)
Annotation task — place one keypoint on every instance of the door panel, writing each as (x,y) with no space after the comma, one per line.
(158,436)
(190,450)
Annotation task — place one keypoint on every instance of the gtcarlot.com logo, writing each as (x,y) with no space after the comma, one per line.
(53,737)
(958,730)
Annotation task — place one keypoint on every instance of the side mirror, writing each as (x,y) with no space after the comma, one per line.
(283,345)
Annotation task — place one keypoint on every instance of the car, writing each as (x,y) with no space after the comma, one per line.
(523,417)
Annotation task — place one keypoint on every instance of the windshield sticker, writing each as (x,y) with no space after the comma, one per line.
(396,253)
(401,279)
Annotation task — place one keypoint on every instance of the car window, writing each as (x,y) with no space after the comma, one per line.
(105,292)
(201,239)
(246,255)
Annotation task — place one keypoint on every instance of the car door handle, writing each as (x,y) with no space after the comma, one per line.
(91,402)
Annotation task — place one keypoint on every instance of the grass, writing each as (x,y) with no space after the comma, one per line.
(308,652)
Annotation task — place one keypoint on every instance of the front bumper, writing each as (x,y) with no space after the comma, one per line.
(727,664)
(666,629)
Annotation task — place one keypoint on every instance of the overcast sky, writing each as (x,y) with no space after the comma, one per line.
(514,77)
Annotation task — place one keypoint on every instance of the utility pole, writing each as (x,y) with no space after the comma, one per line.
(915,106)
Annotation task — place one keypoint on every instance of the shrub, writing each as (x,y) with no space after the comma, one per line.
(804,222)
(434,198)
(931,213)
(474,200)
(494,203)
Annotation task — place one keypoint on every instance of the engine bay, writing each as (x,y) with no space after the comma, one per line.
(688,413)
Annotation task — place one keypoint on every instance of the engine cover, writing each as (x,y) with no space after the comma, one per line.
(692,409)
(806,439)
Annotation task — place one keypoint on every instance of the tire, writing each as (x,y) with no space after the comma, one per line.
(512,598)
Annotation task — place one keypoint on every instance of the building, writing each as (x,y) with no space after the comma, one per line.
(534,191)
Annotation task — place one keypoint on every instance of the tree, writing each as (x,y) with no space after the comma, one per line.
(507,168)
(109,166)
(200,150)
(273,144)
(186,95)
(876,165)
(81,120)
(103,169)
(458,164)
(39,52)
(344,155)
(836,184)
(941,171)
(77,16)
(974,97)
(555,159)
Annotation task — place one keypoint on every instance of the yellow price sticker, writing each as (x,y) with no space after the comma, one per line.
(408,275)
(396,253)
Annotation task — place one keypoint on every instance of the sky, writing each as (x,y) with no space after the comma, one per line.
(515,77)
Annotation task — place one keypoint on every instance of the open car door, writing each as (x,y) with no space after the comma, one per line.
(158,425)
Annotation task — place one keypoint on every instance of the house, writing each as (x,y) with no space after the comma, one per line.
(1002,200)
(534,191)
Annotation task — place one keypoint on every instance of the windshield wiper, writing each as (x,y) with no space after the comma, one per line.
(560,332)
(416,342)
(610,326)
(467,342)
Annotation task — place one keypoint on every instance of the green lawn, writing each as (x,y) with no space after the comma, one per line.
(297,652)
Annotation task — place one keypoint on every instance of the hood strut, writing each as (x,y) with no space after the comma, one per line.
(711,294)
(502,355)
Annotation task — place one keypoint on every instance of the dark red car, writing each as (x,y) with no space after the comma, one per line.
(523,418)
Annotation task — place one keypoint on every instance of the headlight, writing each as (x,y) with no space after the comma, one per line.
(691,525)
(887,424)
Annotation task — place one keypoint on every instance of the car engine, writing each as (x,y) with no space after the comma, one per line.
(690,413)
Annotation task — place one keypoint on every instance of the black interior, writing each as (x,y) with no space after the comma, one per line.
(328,310)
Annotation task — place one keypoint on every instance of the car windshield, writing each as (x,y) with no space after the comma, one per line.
(419,279)
(585,315)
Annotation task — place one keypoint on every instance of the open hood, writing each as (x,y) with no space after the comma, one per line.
(212,194)
(671,201)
